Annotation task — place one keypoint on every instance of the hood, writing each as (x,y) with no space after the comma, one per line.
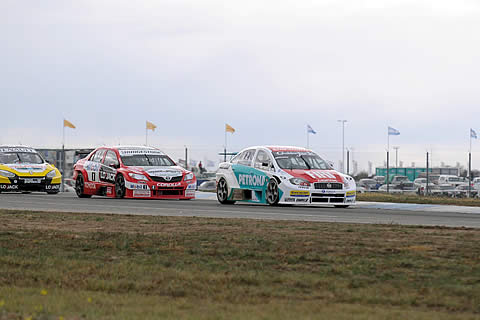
(316,175)
(173,171)
(27,168)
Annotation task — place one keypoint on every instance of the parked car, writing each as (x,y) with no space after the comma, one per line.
(208,186)
(399,179)
(368,184)
(433,190)
(461,191)
(451,180)
(361,189)
(380,179)
(407,187)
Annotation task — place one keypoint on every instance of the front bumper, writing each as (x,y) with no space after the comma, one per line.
(41,184)
(161,190)
(318,196)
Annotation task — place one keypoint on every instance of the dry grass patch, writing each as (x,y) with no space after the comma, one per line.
(173,267)
(399,198)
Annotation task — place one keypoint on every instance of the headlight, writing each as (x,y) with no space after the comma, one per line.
(51,174)
(7,174)
(300,182)
(138,176)
(188,176)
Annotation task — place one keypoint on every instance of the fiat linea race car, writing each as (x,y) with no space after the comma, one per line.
(132,172)
(283,175)
(23,169)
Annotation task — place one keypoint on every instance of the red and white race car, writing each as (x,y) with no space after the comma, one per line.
(132,172)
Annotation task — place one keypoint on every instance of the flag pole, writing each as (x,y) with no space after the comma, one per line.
(63,156)
(146,135)
(308,142)
(225,147)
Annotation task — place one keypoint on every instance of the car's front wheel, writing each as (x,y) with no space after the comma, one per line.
(272,194)
(222,192)
(80,187)
(120,186)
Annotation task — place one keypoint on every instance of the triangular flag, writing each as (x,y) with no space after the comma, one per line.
(229,128)
(67,123)
(151,126)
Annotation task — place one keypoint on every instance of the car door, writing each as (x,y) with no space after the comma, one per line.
(242,168)
(92,166)
(108,168)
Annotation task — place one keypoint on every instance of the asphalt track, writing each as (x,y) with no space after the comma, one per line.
(206,207)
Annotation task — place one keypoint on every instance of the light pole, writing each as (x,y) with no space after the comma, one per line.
(396,156)
(343,144)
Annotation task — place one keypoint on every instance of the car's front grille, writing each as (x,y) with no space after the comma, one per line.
(328,185)
(328,195)
(161,179)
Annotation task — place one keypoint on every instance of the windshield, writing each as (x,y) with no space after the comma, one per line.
(300,160)
(454,179)
(144,160)
(401,178)
(20,157)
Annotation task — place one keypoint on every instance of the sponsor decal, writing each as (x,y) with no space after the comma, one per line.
(52,187)
(164,184)
(8,187)
(349,200)
(189,193)
(109,190)
(131,152)
(251,180)
(141,193)
(13,149)
(322,175)
(90,185)
(350,193)
(299,193)
(289,199)
(136,186)
(107,174)
(301,200)
(27,168)
(192,186)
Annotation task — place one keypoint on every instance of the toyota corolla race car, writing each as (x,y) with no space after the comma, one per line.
(23,169)
(132,172)
(286,175)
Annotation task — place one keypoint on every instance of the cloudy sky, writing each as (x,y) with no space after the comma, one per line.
(267,68)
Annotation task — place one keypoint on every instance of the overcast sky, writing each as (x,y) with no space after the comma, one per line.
(265,67)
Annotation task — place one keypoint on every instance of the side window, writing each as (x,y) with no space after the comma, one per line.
(244,158)
(111,159)
(237,158)
(263,161)
(97,157)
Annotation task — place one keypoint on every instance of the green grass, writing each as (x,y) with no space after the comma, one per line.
(399,198)
(137,267)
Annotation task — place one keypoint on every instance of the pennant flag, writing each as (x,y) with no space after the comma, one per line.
(310,129)
(67,123)
(151,126)
(393,132)
(229,128)
(473,134)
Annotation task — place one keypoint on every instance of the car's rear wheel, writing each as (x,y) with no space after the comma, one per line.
(222,192)
(341,206)
(120,186)
(80,187)
(272,194)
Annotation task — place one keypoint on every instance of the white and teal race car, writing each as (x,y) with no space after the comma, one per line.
(283,175)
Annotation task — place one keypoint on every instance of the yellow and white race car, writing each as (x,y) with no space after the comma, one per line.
(23,169)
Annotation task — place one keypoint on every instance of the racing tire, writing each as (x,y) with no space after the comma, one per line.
(222,192)
(80,187)
(272,195)
(120,189)
(341,206)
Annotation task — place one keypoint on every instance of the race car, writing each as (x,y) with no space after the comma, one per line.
(23,169)
(132,172)
(283,175)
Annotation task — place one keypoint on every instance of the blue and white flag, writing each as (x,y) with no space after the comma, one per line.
(393,132)
(310,129)
(473,134)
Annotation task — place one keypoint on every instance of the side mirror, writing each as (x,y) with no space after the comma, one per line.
(113,165)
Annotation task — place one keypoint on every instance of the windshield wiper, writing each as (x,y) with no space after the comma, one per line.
(148,159)
(308,166)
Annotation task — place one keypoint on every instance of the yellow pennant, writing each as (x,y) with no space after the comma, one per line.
(229,128)
(67,123)
(151,126)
